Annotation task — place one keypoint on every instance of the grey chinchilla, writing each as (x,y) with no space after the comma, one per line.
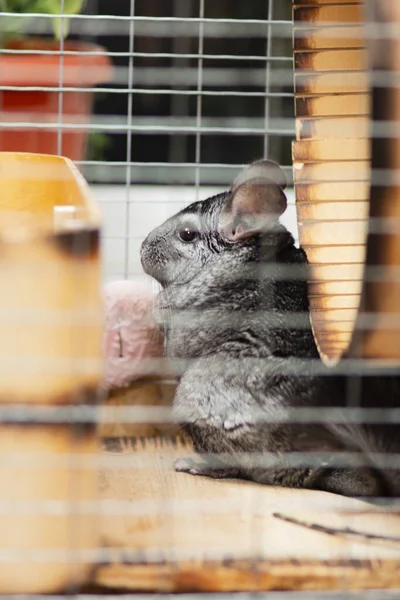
(233,285)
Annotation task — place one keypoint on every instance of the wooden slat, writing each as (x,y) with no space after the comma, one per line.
(328,13)
(334,338)
(330,327)
(323,2)
(322,254)
(337,105)
(326,233)
(330,150)
(332,211)
(177,532)
(338,272)
(336,302)
(331,60)
(319,192)
(340,171)
(323,38)
(332,127)
(330,83)
(329,288)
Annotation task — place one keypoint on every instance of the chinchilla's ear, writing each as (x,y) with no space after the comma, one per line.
(256,200)
(262,169)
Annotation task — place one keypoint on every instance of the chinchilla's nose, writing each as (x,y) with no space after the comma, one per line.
(149,255)
(145,254)
(150,239)
(147,242)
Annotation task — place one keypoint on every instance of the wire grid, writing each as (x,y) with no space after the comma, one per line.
(187,157)
(173,117)
(159,74)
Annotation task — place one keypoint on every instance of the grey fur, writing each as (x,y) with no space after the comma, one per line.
(233,347)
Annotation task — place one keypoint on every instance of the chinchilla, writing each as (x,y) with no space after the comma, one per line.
(235,314)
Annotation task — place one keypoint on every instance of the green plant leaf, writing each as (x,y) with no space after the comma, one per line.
(49,7)
(14,25)
(61,28)
(97,144)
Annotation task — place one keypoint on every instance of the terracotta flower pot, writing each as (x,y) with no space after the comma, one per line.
(42,106)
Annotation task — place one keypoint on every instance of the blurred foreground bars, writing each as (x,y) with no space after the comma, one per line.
(50,279)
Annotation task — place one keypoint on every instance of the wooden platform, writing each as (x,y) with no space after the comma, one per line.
(167,531)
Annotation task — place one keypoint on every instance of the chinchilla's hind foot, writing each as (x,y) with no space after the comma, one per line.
(351,482)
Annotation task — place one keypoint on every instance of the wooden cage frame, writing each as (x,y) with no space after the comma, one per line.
(302,536)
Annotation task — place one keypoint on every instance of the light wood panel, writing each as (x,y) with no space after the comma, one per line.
(381,299)
(46,483)
(331,159)
(176,532)
(50,305)
(50,354)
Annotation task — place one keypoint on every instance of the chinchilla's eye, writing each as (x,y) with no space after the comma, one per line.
(187,233)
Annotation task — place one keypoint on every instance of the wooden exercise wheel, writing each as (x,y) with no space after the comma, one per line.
(334,156)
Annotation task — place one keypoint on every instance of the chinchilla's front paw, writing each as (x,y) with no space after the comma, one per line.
(188,465)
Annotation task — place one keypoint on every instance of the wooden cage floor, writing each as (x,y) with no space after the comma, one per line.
(176,532)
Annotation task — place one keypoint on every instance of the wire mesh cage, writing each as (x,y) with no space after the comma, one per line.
(222,416)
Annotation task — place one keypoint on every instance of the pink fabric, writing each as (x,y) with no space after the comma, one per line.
(131,335)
